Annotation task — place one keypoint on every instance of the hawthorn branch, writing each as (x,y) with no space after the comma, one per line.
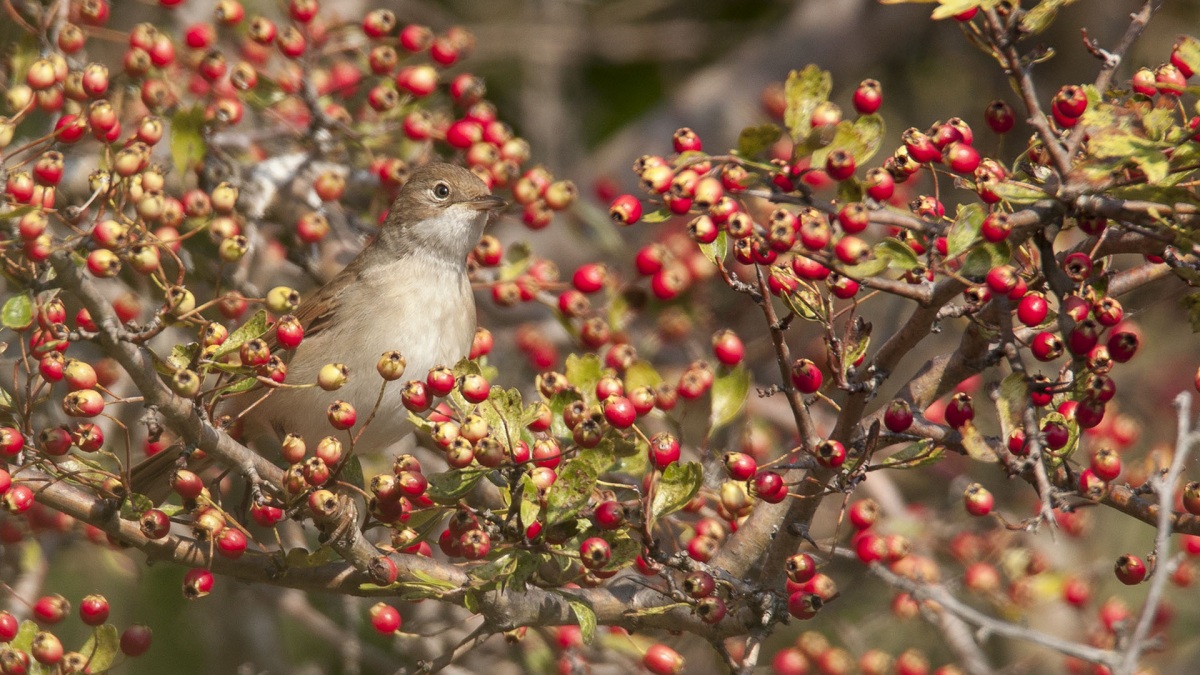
(1164,486)
(185,417)
(1112,59)
(181,414)
(623,602)
(1002,41)
(988,625)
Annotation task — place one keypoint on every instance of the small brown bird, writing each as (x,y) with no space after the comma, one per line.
(408,290)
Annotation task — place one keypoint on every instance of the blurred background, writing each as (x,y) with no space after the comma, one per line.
(592,86)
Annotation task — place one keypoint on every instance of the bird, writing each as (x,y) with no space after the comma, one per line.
(407,291)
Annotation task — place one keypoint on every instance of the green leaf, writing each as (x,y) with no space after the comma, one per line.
(1158,123)
(1188,49)
(574,486)
(1018,193)
(502,566)
(965,229)
(658,216)
(434,581)
(1042,15)
(18,311)
(24,639)
(583,372)
(558,403)
(983,258)
(1118,144)
(1013,398)
(517,260)
(675,488)
(101,648)
(917,454)
(182,356)
(806,303)
(718,249)
(641,374)
(804,91)
(450,486)
(898,254)
(756,139)
(861,138)
(585,616)
(1191,304)
(134,506)
(857,343)
(506,414)
(352,472)
(976,445)
(530,509)
(255,327)
(243,385)
(871,267)
(187,138)
(729,392)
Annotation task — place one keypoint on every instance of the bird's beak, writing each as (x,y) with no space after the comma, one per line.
(487,203)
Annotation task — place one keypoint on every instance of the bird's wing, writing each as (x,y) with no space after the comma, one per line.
(318,311)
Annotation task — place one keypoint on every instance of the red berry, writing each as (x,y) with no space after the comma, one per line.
(831,454)
(9,627)
(961,158)
(662,660)
(960,410)
(804,605)
(1032,309)
(1070,101)
(619,412)
(728,347)
(384,618)
(93,610)
(863,513)
(1130,570)
(898,417)
(740,465)
(840,165)
(879,184)
(590,278)
(806,376)
(135,640)
(1046,346)
(1000,117)
(978,500)
(664,450)
(51,609)
(594,553)
(867,97)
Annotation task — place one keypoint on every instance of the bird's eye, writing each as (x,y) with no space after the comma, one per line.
(441,191)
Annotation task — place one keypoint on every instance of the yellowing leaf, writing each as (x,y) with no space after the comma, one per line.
(976,446)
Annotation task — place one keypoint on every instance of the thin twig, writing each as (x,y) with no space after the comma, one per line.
(1164,486)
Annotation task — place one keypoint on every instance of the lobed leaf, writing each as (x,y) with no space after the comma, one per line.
(804,91)
(756,139)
